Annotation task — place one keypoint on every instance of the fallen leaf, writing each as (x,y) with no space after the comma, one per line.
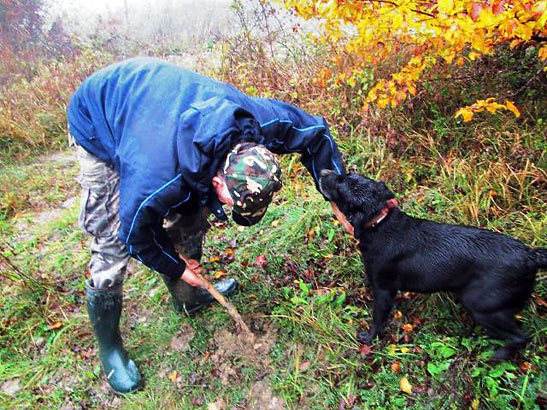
(55,325)
(275,223)
(398,314)
(475,404)
(365,350)
(540,301)
(405,350)
(405,386)
(261,261)
(525,366)
(407,327)
(396,367)
(205,357)
(219,274)
(304,366)
(214,259)
(173,376)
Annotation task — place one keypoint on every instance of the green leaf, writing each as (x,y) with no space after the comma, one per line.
(435,369)
(340,299)
(476,372)
(298,300)
(326,298)
(286,292)
(497,371)
(446,352)
(304,288)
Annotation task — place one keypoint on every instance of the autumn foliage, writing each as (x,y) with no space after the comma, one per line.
(423,35)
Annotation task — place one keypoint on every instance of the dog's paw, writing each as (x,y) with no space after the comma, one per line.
(365,336)
(501,355)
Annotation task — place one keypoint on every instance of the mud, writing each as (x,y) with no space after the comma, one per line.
(232,353)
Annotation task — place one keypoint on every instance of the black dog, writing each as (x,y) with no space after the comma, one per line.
(492,274)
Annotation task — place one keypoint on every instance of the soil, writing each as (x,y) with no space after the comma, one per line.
(233,352)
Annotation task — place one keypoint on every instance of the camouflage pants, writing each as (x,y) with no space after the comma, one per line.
(99,217)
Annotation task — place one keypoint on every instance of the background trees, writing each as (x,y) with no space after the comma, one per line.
(405,42)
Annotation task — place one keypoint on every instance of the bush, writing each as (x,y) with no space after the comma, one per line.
(33,113)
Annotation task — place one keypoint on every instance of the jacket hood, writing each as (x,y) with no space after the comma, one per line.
(214,126)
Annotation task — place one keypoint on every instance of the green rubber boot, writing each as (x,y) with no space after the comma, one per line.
(105,308)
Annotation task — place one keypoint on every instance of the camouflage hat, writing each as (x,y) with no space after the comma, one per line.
(252,175)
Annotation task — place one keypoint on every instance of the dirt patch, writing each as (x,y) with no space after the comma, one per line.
(232,345)
(261,397)
(60,157)
(232,354)
(181,340)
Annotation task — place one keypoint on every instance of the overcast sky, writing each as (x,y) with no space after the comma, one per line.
(139,18)
(102,6)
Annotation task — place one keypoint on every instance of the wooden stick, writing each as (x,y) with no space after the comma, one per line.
(230,308)
(196,269)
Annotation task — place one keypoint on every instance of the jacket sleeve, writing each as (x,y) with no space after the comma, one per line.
(294,130)
(141,225)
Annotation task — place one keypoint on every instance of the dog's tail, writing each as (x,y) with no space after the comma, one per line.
(539,257)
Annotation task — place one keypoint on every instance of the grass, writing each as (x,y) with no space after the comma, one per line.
(301,275)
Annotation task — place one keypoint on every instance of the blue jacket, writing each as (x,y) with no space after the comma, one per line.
(165,130)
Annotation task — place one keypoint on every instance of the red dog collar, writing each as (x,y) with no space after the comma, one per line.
(392,203)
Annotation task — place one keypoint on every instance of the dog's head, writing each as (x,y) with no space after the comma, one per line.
(358,197)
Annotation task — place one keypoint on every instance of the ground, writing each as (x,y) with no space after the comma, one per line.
(302,294)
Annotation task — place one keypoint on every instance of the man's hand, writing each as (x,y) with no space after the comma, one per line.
(341,218)
(192,273)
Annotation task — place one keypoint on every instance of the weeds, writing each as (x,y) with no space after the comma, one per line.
(299,271)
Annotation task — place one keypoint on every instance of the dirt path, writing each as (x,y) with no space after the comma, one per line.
(67,158)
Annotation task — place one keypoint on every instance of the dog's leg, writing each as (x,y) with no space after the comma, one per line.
(384,299)
(502,325)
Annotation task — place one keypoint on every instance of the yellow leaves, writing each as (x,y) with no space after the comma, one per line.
(394,91)
(489,105)
(511,107)
(219,274)
(475,403)
(351,81)
(322,76)
(368,33)
(173,376)
(540,13)
(473,56)
(55,325)
(405,385)
(445,6)
(465,113)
